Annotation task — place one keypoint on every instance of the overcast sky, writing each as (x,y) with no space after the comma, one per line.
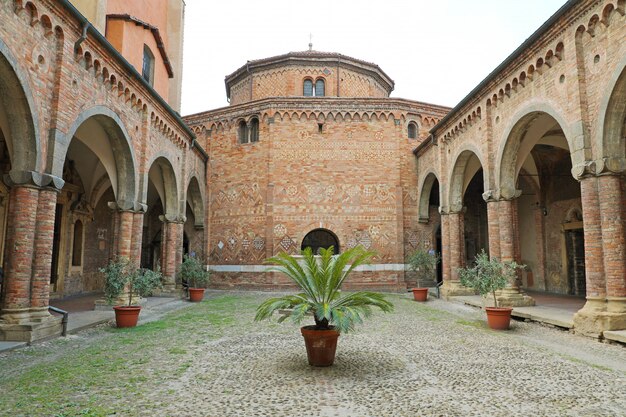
(436,51)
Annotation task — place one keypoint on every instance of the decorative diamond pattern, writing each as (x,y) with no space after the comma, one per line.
(258,243)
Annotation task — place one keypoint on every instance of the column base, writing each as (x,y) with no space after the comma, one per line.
(513,297)
(170,290)
(31,331)
(454,288)
(598,316)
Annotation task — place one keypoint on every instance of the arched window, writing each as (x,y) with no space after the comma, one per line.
(254,130)
(77,249)
(307,88)
(242,132)
(412,130)
(148,65)
(319,88)
(320,238)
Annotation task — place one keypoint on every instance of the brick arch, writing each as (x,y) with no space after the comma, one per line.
(195,198)
(459,178)
(610,141)
(509,161)
(424,194)
(121,170)
(21,125)
(163,176)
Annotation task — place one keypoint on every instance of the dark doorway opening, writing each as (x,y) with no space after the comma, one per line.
(575,244)
(320,238)
(56,243)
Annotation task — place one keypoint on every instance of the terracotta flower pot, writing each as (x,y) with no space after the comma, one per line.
(420,294)
(320,345)
(498,318)
(196,294)
(126,316)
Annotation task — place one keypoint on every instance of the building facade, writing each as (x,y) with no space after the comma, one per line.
(95,162)
(531,166)
(312,151)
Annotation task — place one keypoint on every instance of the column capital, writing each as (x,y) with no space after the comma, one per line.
(33,179)
(598,167)
(502,194)
(128,206)
(175,219)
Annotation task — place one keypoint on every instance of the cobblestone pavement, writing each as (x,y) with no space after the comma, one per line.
(432,359)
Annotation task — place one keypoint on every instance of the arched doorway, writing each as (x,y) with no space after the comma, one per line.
(429,220)
(320,238)
(163,223)
(99,176)
(537,167)
(194,223)
(466,200)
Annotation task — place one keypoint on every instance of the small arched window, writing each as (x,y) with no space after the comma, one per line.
(242,132)
(307,88)
(77,248)
(320,90)
(412,130)
(320,238)
(254,130)
(147,70)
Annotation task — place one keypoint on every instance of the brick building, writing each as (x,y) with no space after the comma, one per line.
(95,162)
(530,166)
(311,151)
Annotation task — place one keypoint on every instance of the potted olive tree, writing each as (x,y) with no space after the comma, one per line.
(424,264)
(320,279)
(194,276)
(488,276)
(125,283)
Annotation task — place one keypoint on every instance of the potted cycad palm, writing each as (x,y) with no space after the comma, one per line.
(424,264)
(320,279)
(488,276)
(195,277)
(124,283)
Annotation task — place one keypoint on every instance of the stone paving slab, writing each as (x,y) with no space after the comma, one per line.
(615,335)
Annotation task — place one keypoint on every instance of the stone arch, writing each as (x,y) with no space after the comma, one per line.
(117,156)
(195,199)
(610,140)
(464,164)
(18,118)
(512,152)
(424,195)
(162,175)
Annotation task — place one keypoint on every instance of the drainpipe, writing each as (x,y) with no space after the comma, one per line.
(338,62)
(83,37)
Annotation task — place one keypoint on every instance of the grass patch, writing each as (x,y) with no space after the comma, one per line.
(478,324)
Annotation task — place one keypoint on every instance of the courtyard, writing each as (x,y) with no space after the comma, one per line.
(211,359)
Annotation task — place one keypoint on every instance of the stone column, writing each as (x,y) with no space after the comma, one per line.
(24,315)
(445,246)
(42,262)
(594,257)
(21,226)
(613,221)
(511,296)
(493,225)
(456,255)
(137,236)
(172,243)
(124,235)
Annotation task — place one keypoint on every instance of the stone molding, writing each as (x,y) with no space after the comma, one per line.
(33,179)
